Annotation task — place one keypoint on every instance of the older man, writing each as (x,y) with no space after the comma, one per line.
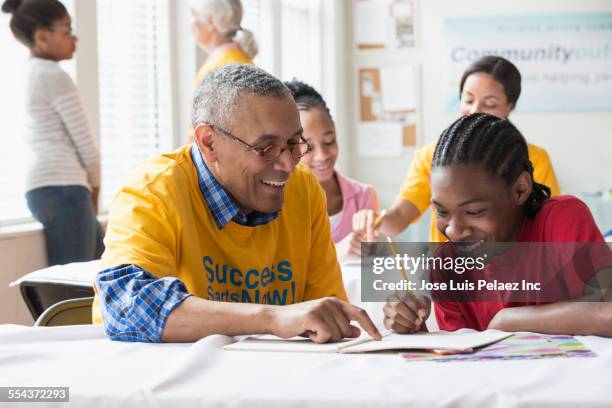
(228,235)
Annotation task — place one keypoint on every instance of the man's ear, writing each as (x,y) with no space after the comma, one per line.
(521,190)
(205,139)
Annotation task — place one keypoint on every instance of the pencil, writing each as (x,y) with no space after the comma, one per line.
(394,253)
(377,222)
(379,218)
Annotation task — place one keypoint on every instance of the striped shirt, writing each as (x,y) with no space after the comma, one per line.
(136,304)
(63,150)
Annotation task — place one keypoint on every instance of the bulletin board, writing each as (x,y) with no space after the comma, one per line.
(387,97)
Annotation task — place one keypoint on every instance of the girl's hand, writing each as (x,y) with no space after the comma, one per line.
(364,223)
(349,248)
(406,313)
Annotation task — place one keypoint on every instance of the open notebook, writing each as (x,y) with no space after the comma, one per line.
(455,342)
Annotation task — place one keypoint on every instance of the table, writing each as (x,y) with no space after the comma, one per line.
(103,373)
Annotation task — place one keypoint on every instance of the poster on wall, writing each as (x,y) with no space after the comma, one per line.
(383,24)
(565,60)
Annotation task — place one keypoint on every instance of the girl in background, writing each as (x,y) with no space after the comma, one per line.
(63,182)
(344,196)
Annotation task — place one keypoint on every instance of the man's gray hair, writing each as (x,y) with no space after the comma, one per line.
(218,95)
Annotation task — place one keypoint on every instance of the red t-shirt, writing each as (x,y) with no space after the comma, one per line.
(561,219)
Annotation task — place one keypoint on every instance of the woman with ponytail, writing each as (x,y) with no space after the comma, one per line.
(63,181)
(216,27)
(483,192)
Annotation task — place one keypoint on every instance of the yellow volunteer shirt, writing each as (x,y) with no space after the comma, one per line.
(417,190)
(228,56)
(161,222)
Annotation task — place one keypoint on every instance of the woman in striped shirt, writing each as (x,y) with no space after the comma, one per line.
(64,179)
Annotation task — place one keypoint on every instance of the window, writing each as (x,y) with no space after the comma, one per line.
(131,62)
(13,148)
(288,33)
(133,84)
(301,41)
(252,18)
(15,154)
(257,17)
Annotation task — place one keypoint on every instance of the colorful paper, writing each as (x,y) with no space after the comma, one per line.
(521,346)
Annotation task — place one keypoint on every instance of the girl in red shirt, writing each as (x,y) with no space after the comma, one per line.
(483,192)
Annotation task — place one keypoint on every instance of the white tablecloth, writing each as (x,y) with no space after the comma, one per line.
(103,373)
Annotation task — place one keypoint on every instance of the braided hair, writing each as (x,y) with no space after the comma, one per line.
(497,146)
(306,96)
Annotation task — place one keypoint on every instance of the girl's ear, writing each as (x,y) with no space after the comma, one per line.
(40,38)
(521,190)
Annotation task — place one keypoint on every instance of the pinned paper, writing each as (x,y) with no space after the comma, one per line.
(402,9)
(367,85)
(376,139)
(370,20)
(398,88)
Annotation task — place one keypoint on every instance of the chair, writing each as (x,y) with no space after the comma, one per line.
(44,288)
(67,312)
(39,296)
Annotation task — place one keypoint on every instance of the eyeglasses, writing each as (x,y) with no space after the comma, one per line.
(273,151)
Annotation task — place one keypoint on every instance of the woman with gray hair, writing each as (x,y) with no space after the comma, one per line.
(216,27)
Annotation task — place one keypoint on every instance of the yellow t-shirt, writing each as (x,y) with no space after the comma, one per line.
(417,190)
(228,56)
(161,222)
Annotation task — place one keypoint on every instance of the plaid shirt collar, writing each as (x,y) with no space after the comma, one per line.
(219,202)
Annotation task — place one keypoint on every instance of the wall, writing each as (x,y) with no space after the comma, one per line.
(579,143)
(20,253)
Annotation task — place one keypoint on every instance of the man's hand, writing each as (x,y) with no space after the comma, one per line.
(322,320)
(406,313)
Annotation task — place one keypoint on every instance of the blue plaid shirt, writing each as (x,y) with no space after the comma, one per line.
(136,304)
